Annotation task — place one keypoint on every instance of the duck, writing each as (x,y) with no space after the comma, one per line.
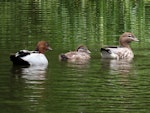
(80,55)
(123,51)
(32,58)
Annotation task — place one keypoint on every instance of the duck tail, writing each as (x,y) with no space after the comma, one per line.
(105,50)
(63,57)
(12,57)
(17,60)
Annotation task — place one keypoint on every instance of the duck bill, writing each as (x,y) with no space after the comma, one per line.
(89,52)
(49,48)
(135,39)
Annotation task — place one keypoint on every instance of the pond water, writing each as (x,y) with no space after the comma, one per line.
(99,86)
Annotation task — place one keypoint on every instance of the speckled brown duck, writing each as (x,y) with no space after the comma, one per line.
(80,54)
(123,51)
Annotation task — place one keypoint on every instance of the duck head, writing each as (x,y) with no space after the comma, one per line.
(127,38)
(43,46)
(83,49)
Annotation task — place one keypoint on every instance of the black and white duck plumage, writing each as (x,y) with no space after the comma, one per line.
(37,57)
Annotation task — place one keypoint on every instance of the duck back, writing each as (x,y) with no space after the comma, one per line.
(25,57)
(116,52)
(18,60)
(36,59)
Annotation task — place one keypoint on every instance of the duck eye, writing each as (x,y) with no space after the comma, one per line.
(129,36)
(46,44)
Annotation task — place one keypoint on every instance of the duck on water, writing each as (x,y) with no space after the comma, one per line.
(34,58)
(123,51)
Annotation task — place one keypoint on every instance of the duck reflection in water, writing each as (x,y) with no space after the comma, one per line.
(30,81)
(122,66)
(30,73)
(78,65)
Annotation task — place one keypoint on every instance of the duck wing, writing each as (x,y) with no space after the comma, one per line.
(68,55)
(116,52)
(23,53)
(17,57)
(109,49)
(109,52)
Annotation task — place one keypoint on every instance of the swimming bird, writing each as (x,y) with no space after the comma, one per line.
(80,55)
(37,57)
(120,52)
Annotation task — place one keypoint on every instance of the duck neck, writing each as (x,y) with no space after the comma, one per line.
(40,50)
(125,45)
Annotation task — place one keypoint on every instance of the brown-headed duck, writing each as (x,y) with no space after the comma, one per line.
(120,52)
(37,57)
